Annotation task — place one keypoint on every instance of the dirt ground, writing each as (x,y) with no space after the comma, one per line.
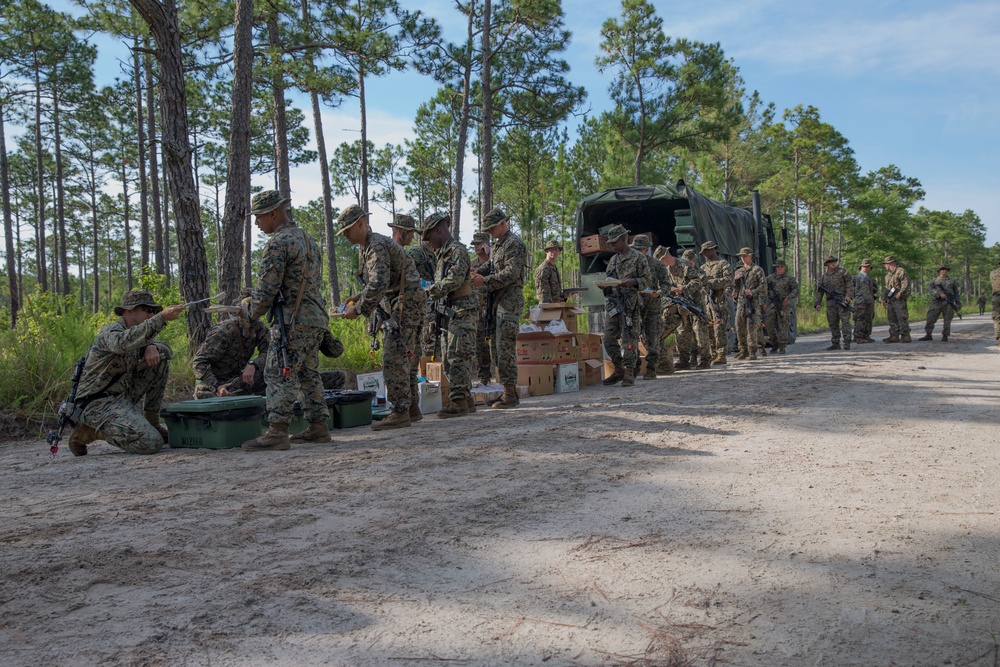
(818,508)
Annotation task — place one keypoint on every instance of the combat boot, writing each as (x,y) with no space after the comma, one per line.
(847,344)
(926,336)
(81,436)
(316,432)
(453,410)
(394,420)
(833,346)
(666,365)
(719,359)
(153,417)
(509,398)
(891,339)
(682,363)
(650,373)
(705,363)
(944,339)
(415,414)
(781,349)
(743,354)
(615,377)
(470,404)
(275,439)
(629,378)
(905,338)
(753,354)
(762,352)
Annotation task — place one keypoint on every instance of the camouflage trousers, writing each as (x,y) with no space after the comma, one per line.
(430,344)
(120,418)
(652,328)
(864,313)
(302,384)
(484,358)
(899,317)
(747,328)
(938,308)
(505,348)
(777,321)
(718,330)
(333,379)
(627,351)
(236,386)
(692,337)
(839,320)
(399,368)
(996,315)
(459,358)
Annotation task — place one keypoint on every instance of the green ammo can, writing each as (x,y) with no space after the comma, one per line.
(214,423)
(347,410)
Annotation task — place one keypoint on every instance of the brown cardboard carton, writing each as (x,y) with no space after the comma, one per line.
(593,243)
(435,373)
(544,313)
(567,378)
(538,347)
(538,378)
(590,346)
(566,348)
(591,372)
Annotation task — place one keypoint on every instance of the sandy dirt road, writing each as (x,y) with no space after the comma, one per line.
(810,509)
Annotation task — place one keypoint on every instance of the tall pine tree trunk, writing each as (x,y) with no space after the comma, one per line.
(8,226)
(280,114)
(43,278)
(128,228)
(96,267)
(463,134)
(486,162)
(159,243)
(60,197)
(140,137)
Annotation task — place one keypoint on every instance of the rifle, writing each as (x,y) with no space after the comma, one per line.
(621,308)
(278,313)
(382,319)
(490,314)
(748,300)
(836,297)
(688,305)
(952,301)
(441,311)
(66,409)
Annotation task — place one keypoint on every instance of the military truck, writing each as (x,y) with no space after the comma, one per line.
(677,217)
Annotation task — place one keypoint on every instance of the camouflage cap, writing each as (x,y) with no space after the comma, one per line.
(404,222)
(552,245)
(889,259)
(780,262)
(493,218)
(615,232)
(831,259)
(660,252)
(944,267)
(480,237)
(708,245)
(690,255)
(134,298)
(266,201)
(348,217)
(640,241)
(866,262)
(745,251)
(435,219)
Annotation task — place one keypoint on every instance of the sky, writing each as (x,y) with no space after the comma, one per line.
(912,83)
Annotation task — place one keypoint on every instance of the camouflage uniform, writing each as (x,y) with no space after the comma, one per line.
(452,283)
(423,258)
(995,285)
(548,286)
(779,288)
(223,356)
(484,360)
(692,335)
(837,316)
(981,302)
(390,278)
(865,290)
(116,393)
(504,278)
(718,286)
(627,265)
(652,309)
(938,306)
(748,307)
(899,315)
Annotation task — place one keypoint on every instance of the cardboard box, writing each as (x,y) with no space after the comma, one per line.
(538,378)
(422,370)
(429,397)
(544,313)
(538,347)
(567,378)
(435,373)
(593,244)
(372,382)
(566,348)
(609,367)
(591,346)
(523,391)
(487,394)
(591,372)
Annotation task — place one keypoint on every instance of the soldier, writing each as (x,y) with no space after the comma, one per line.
(503,278)
(652,306)
(484,361)
(126,368)
(687,280)
(222,364)
(865,289)
(751,287)
(718,285)
(782,290)
(403,230)
(548,286)
(452,283)
(671,315)
(981,302)
(391,283)
(944,300)
(897,291)
(995,285)
(623,306)
(291,275)
(836,280)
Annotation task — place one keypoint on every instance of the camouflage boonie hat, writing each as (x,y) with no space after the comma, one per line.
(944,267)
(136,297)
(866,262)
(493,218)
(689,255)
(348,217)
(780,262)
(889,259)
(433,220)
(552,245)
(831,258)
(404,222)
(640,241)
(266,201)
(480,237)
(708,245)
(615,232)
(745,251)
(660,252)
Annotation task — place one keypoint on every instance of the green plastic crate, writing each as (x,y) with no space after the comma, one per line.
(214,423)
(347,410)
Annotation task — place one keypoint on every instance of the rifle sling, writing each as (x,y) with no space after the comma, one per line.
(298,295)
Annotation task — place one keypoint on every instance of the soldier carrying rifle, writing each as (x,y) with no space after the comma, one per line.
(944,300)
